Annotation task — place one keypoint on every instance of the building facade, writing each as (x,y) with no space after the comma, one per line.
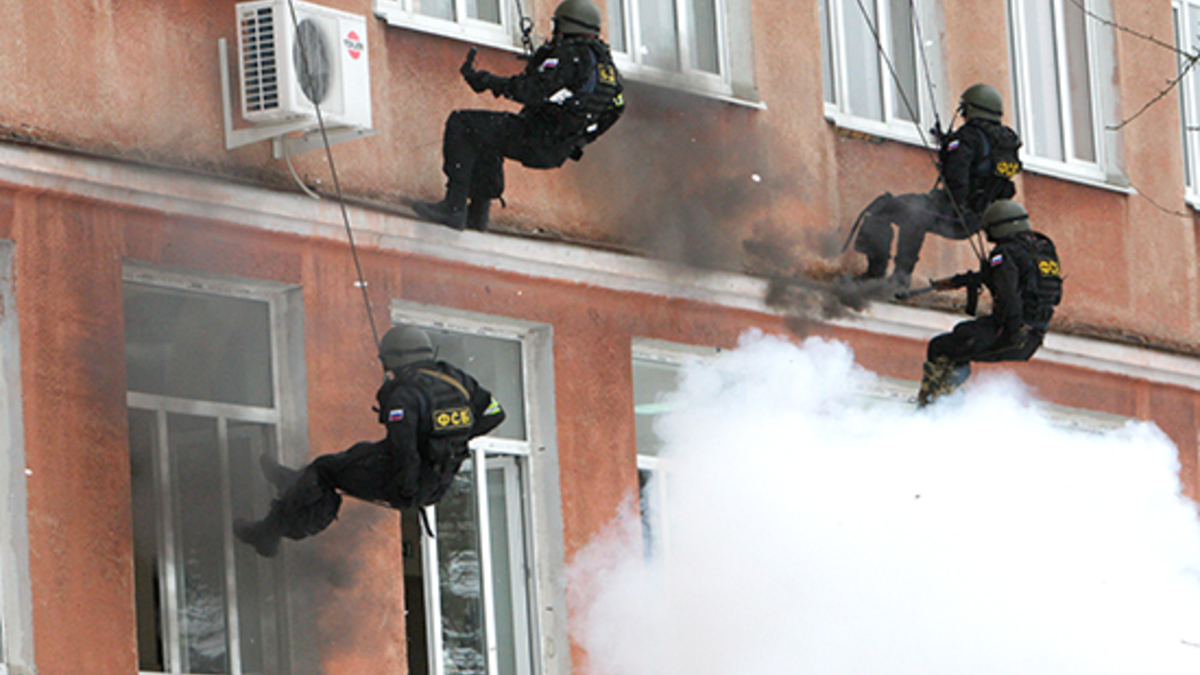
(176,304)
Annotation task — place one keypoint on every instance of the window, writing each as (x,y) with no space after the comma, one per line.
(478,592)
(874,65)
(1064,99)
(1187,39)
(16,608)
(491,22)
(657,366)
(207,363)
(697,45)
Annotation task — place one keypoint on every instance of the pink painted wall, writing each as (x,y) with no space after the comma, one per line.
(69,260)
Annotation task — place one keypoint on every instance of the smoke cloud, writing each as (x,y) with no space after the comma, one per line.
(813,529)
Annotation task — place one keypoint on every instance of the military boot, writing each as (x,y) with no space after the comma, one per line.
(900,280)
(263,535)
(443,213)
(933,381)
(477,214)
(876,268)
(941,377)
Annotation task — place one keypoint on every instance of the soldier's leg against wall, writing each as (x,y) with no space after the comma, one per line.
(874,238)
(470,134)
(1020,349)
(312,502)
(921,213)
(948,357)
(487,183)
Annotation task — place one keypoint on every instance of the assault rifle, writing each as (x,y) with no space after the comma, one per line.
(970,280)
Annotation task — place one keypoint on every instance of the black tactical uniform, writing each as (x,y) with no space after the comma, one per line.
(571,93)
(431,409)
(1023,276)
(973,159)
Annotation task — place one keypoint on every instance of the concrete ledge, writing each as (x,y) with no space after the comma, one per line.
(179,193)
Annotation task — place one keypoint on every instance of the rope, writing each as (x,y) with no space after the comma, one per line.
(976,246)
(362,284)
(526,24)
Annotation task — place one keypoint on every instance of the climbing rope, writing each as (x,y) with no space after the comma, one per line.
(337,186)
(976,240)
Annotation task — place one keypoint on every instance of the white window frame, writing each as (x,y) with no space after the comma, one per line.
(285,308)
(680,355)
(928,57)
(735,80)
(16,603)
(1187,39)
(531,464)
(1105,171)
(895,394)
(506,35)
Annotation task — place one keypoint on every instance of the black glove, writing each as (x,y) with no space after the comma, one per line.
(468,66)
(576,153)
(480,80)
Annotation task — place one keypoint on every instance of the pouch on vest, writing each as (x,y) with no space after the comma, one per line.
(451,420)
(1046,291)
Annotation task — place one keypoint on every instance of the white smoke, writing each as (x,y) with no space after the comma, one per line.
(811,532)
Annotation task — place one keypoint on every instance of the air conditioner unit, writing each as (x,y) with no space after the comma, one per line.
(288,62)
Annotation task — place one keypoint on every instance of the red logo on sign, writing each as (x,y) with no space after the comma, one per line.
(354,45)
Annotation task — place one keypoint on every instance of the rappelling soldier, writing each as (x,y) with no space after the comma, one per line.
(976,164)
(430,408)
(1023,276)
(571,93)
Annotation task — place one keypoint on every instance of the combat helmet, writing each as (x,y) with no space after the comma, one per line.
(1004,218)
(404,345)
(577,17)
(982,101)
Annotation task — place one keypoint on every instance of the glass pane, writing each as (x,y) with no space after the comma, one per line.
(461,590)
(704,47)
(1192,119)
(258,644)
(441,9)
(660,39)
(200,528)
(484,10)
(496,364)
(827,52)
(146,541)
(904,59)
(1040,58)
(616,25)
(197,346)
(645,506)
(508,587)
(1080,82)
(652,380)
(1184,89)
(862,61)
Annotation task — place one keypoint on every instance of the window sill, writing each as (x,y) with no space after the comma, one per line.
(906,133)
(708,86)
(1095,180)
(474,32)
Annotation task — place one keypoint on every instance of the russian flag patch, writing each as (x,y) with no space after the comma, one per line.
(396,415)
(953,145)
(997,259)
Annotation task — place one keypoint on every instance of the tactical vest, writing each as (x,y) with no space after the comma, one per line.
(446,420)
(603,88)
(598,100)
(1042,286)
(991,177)
(445,443)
